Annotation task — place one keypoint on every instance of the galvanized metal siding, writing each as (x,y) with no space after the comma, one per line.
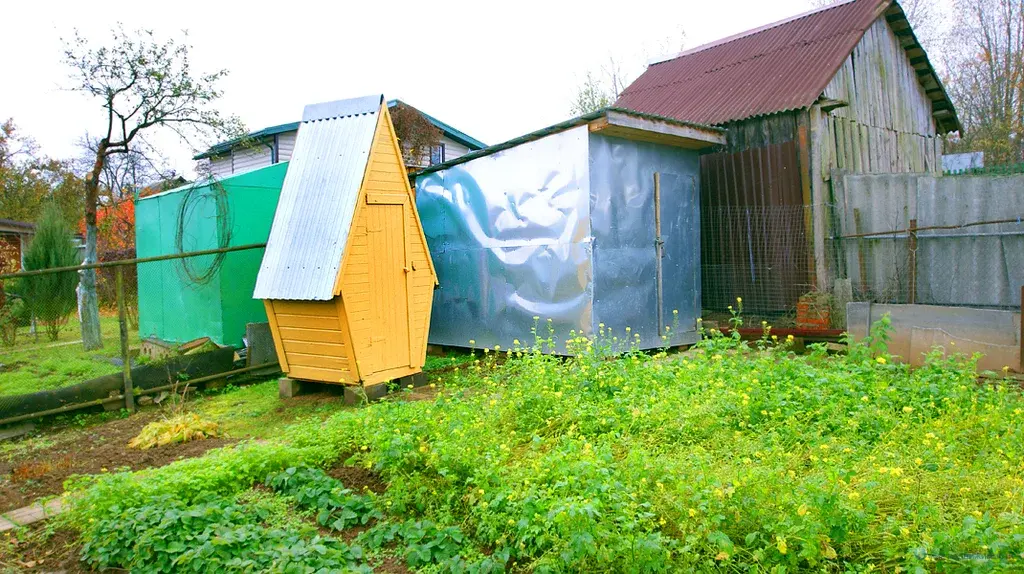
(622,207)
(318,200)
(509,235)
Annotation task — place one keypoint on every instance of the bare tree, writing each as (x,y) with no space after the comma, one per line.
(124,174)
(415,132)
(602,86)
(986,77)
(599,89)
(144,85)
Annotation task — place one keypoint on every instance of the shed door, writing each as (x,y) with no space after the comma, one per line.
(389,289)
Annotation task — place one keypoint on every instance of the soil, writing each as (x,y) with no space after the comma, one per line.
(28,476)
(357,479)
(392,565)
(58,552)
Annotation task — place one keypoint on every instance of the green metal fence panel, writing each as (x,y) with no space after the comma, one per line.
(207,296)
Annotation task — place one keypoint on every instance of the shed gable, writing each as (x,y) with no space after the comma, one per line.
(385,182)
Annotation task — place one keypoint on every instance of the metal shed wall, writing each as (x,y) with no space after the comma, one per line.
(562,228)
(622,221)
(509,234)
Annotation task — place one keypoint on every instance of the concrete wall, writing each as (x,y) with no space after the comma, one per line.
(920,328)
(979,266)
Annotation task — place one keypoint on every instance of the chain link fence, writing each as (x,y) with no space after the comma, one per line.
(163,320)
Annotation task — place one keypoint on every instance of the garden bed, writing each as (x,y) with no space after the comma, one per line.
(728,456)
(27,476)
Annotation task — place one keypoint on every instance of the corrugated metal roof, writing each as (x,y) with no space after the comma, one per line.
(318,200)
(779,67)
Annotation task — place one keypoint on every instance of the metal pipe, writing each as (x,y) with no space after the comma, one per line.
(119,398)
(105,264)
(1016,220)
(898,235)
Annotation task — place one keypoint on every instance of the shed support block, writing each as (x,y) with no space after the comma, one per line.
(288,388)
(415,380)
(358,394)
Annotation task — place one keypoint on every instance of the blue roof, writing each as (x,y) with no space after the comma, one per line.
(223,147)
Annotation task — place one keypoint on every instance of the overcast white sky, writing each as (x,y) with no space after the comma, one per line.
(493,70)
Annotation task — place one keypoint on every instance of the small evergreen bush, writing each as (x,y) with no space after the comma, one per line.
(51,298)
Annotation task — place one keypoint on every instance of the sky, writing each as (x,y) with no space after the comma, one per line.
(492,70)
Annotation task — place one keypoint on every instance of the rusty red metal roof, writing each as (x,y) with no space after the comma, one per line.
(781,66)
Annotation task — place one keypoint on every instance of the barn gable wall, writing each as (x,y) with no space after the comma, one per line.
(887,125)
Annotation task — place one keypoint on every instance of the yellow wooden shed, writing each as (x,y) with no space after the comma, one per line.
(346,278)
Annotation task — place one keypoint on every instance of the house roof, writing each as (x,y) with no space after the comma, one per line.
(779,67)
(223,147)
(318,200)
(10,225)
(616,122)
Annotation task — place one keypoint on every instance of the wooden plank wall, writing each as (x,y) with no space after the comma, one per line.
(385,175)
(753,234)
(888,125)
(313,340)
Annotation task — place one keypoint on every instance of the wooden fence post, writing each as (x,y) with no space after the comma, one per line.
(129,393)
(912,243)
(658,253)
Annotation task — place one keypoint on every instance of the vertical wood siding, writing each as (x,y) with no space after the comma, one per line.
(388,308)
(753,238)
(888,124)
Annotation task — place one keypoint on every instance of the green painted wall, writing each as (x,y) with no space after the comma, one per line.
(172,307)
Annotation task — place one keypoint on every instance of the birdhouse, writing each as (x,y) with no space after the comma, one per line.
(346,278)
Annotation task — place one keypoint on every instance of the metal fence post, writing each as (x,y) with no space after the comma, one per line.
(129,394)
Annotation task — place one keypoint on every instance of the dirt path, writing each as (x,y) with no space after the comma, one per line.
(102,448)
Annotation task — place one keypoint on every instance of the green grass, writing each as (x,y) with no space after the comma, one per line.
(32,365)
(256,411)
(727,458)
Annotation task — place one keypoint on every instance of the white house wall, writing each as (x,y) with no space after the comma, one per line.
(285,145)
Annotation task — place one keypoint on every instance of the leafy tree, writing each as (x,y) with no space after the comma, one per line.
(29,181)
(145,86)
(51,297)
(416,134)
(986,77)
(592,95)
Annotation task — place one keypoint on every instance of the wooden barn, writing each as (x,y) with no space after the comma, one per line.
(346,278)
(846,87)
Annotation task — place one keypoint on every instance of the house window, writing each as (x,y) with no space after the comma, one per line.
(437,154)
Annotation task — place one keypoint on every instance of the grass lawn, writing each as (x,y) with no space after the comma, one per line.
(726,458)
(33,365)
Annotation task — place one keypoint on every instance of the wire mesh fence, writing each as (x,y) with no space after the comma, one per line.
(797,266)
(151,312)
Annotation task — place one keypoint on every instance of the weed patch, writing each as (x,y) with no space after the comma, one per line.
(732,457)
